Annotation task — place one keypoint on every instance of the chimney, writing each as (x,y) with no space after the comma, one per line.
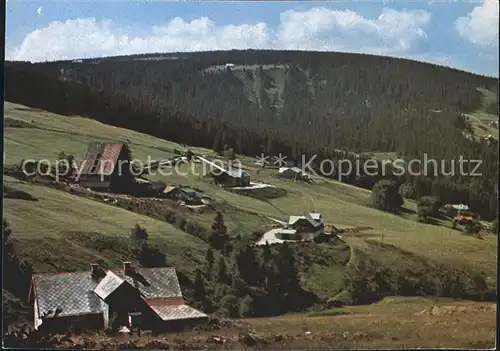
(127,267)
(96,271)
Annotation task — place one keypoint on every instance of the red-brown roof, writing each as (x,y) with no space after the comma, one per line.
(106,154)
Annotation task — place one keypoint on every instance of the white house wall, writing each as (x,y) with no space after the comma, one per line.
(38,321)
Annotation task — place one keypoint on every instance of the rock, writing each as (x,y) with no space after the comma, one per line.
(279,338)
(360,335)
(156,345)
(216,339)
(335,303)
(128,345)
(248,339)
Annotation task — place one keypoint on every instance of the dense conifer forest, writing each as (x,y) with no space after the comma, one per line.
(296,103)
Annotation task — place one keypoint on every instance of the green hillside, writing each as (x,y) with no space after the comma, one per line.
(291,102)
(62,231)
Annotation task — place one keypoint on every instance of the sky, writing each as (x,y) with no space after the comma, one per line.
(459,34)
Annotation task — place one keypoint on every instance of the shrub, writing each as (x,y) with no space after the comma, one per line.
(170,217)
(17,194)
(181,223)
(385,196)
(494,227)
(428,206)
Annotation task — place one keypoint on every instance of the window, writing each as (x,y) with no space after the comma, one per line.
(96,163)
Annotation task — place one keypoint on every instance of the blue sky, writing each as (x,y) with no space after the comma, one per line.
(461,34)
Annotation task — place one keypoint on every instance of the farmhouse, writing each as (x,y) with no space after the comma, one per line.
(230,178)
(188,195)
(92,299)
(236,177)
(106,166)
(225,177)
(307,227)
(293,173)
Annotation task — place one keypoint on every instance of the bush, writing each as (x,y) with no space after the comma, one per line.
(428,206)
(473,227)
(231,306)
(386,197)
(181,223)
(170,217)
(17,194)
(407,190)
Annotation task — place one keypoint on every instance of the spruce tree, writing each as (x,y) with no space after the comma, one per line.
(222,276)
(199,288)
(210,259)
(218,237)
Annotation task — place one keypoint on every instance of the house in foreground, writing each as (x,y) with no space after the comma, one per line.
(307,227)
(105,166)
(94,299)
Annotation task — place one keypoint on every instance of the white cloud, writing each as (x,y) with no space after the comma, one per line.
(480,26)
(39,11)
(321,28)
(392,32)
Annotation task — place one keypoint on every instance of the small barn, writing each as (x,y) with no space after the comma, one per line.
(293,173)
(307,227)
(94,299)
(237,177)
(186,194)
(106,166)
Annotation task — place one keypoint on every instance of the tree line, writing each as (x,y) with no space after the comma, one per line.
(294,103)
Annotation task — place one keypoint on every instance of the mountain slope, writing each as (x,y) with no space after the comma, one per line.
(296,103)
(399,245)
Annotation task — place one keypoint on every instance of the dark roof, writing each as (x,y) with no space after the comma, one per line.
(191,192)
(74,292)
(109,153)
(313,218)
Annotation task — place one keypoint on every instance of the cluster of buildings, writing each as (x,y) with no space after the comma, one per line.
(107,165)
(306,227)
(146,298)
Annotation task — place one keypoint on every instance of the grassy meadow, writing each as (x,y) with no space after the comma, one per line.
(49,227)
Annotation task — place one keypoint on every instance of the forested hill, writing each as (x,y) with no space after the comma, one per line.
(275,101)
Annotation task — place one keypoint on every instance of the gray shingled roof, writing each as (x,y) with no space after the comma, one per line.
(176,312)
(108,284)
(74,292)
(160,282)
